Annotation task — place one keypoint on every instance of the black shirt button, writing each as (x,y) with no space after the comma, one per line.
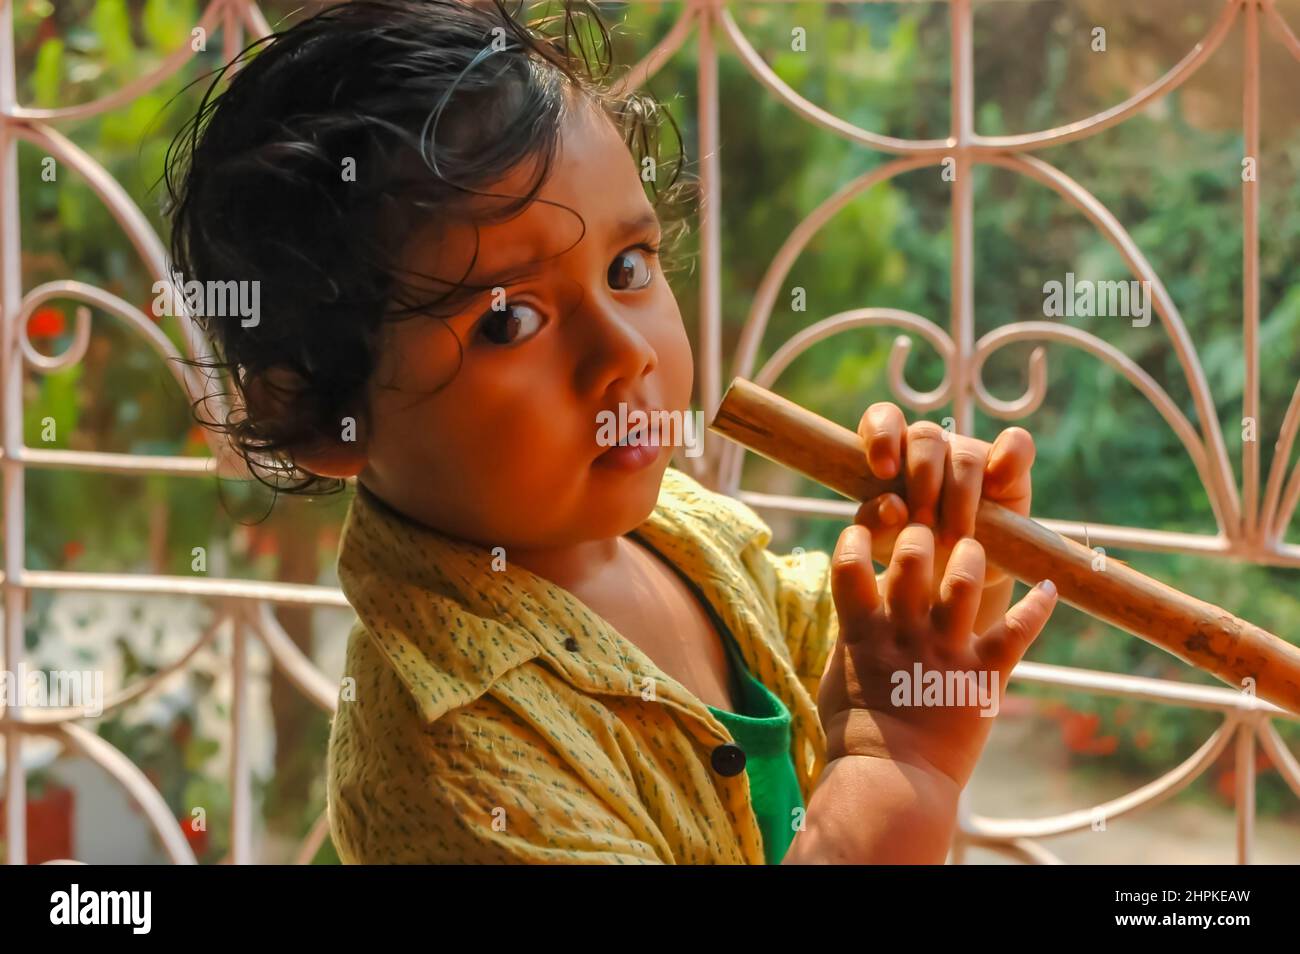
(571,644)
(728,759)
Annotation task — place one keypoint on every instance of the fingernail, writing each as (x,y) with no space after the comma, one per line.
(887,514)
(1048,587)
(887,468)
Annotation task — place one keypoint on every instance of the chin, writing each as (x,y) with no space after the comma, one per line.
(626,499)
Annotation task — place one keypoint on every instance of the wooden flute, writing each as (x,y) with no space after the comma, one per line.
(1206,636)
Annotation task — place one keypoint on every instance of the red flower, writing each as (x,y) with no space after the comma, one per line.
(198,839)
(73,549)
(263,543)
(1226,784)
(1079,730)
(1051,708)
(46,322)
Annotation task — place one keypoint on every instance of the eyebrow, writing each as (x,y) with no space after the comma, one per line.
(641,222)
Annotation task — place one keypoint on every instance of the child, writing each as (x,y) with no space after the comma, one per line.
(565,651)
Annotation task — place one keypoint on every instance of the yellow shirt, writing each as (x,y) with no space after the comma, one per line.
(489,716)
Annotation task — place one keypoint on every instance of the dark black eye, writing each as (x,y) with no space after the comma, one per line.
(631,267)
(510,325)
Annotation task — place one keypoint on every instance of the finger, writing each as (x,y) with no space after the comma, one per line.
(881,430)
(962,486)
(883,515)
(960,591)
(1005,642)
(909,578)
(1007,477)
(853,581)
(925,452)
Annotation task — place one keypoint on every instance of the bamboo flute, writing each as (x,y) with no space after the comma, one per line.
(1197,632)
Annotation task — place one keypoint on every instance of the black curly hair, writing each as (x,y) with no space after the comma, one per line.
(431,100)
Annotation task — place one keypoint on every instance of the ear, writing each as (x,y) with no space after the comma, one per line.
(343,459)
(272,393)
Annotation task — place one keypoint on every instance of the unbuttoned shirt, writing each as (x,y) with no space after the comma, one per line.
(489,716)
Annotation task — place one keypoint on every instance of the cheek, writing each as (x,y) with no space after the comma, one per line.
(419,356)
(499,426)
(676,361)
(499,423)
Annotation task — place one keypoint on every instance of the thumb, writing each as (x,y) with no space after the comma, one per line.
(885,516)
(1005,642)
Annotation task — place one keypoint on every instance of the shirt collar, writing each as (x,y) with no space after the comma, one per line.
(451,624)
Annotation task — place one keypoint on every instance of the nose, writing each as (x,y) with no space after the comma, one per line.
(612,343)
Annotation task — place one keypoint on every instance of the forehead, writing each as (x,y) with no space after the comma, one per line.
(592,188)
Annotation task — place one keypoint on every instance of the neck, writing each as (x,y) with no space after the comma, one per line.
(575,567)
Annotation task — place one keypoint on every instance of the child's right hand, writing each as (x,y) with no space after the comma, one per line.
(866,697)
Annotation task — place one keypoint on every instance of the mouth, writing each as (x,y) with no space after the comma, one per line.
(639,442)
(635,435)
(634,428)
(629,457)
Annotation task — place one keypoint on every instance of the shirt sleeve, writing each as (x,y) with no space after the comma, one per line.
(798,587)
(477,786)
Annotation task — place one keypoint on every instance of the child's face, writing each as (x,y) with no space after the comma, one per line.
(506,452)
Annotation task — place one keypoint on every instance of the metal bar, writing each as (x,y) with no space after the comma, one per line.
(1104,534)
(241,778)
(1250,278)
(298,594)
(11,361)
(710,214)
(1245,790)
(963,214)
(102,462)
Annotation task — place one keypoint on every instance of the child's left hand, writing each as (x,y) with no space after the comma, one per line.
(946,474)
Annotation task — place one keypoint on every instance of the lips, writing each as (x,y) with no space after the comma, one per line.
(631,433)
(634,434)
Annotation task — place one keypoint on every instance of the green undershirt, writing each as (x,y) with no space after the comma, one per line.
(761,727)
